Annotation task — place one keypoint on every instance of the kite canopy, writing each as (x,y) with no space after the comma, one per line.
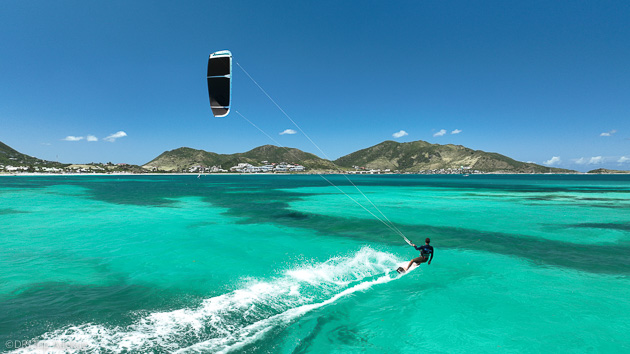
(220,82)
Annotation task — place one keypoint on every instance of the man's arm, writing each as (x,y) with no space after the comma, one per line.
(432,253)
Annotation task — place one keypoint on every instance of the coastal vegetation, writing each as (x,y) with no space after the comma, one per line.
(420,155)
(184,158)
(386,157)
(22,162)
(606,171)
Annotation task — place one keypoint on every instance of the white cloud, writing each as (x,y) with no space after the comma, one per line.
(623,159)
(440,133)
(589,161)
(92,138)
(608,133)
(581,161)
(400,134)
(288,131)
(553,161)
(456,131)
(115,136)
(72,138)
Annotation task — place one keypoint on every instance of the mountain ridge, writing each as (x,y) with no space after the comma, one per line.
(184,157)
(412,156)
(415,156)
(10,156)
(421,156)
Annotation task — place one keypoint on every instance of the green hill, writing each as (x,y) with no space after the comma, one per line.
(178,159)
(273,153)
(606,171)
(11,157)
(421,156)
(404,157)
(183,158)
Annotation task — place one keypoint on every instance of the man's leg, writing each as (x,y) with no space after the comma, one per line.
(418,260)
(409,265)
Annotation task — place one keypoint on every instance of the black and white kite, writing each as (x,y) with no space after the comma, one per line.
(220,82)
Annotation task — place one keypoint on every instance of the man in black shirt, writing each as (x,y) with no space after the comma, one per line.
(425,251)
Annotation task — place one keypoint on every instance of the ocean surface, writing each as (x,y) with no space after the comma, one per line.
(292,264)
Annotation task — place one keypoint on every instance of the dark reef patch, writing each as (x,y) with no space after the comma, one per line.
(27,314)
(265,199)
(606,226)
(8,211)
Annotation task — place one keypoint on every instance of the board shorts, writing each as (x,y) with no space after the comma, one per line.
(420,259)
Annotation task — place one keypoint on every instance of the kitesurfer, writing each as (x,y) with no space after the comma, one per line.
(425,251)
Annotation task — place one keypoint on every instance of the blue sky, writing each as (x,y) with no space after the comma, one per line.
(540,81)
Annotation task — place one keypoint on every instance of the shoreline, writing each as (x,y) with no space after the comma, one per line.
(35,174)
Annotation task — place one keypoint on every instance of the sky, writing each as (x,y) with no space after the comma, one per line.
(123,81)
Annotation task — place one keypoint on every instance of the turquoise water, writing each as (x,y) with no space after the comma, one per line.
(289,264)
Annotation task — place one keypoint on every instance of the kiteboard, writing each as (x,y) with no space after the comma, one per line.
(401,269)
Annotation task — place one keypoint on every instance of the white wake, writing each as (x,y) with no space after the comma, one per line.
(230,321)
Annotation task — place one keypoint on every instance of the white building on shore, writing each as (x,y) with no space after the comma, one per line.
(267,168)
